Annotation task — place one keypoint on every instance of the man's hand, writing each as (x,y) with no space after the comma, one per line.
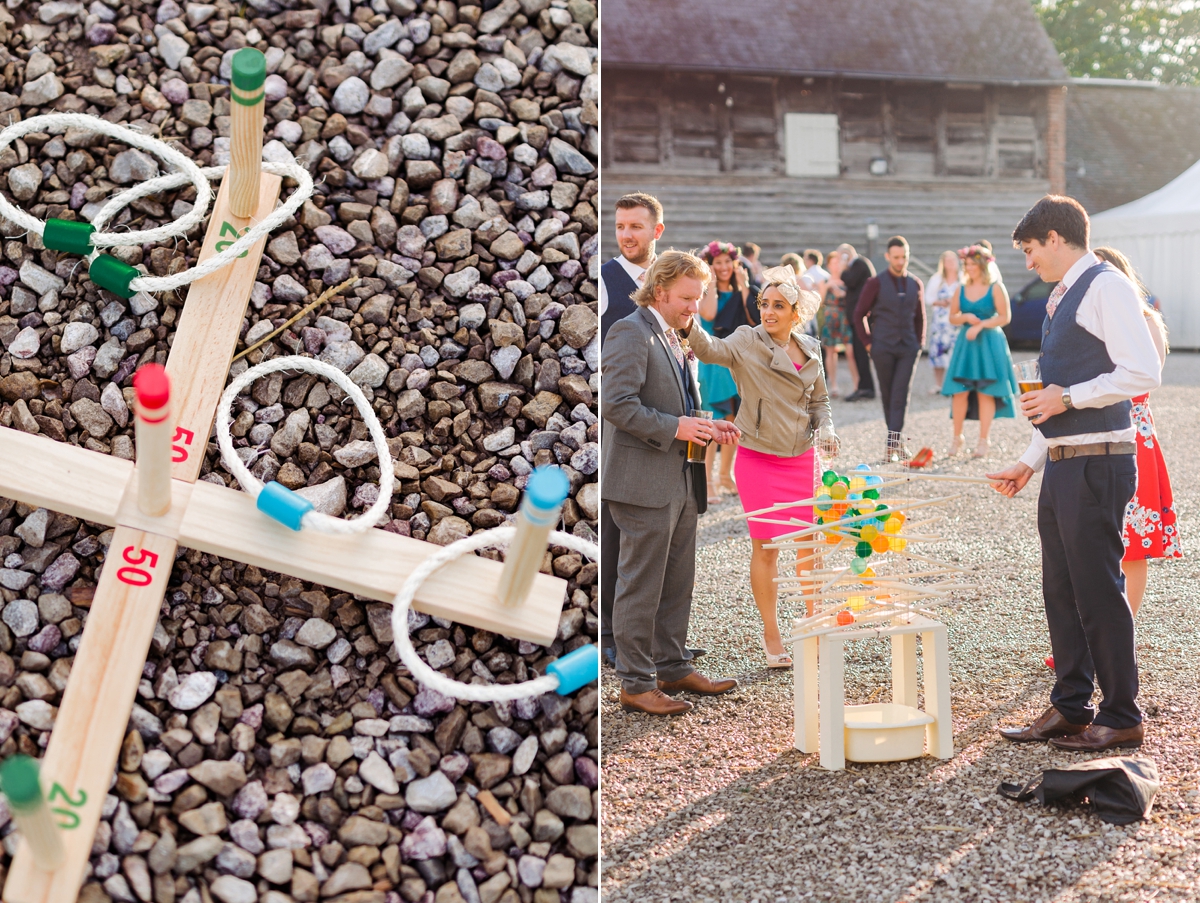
(1011,481)
(1043,404)
(696,429)
(726,432)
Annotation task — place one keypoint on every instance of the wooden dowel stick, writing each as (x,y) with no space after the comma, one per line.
(153,427)
(545,493)
(19,776)
(246,117)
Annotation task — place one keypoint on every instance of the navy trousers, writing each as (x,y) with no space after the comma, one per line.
(1081,513)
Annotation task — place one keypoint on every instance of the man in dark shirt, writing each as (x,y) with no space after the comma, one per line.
(895,306)
(858,270)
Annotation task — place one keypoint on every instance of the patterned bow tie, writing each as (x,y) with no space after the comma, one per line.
(1055,297)
(676,347)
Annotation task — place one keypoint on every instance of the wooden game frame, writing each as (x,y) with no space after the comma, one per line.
(94,712)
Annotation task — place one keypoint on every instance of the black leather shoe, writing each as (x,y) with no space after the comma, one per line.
(860,395)
(696,653)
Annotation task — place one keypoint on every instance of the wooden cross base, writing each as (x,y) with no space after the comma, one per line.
(820,694)
(91,721)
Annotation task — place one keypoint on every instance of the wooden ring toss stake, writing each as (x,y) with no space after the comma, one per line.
(246,129)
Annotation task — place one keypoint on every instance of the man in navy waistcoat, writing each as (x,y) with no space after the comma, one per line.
(1096,355)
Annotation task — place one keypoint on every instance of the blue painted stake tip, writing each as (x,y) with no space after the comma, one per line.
(548,487)
(576,669)
(280,503)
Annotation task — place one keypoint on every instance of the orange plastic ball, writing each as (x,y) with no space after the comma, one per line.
(880,544)
(844,618)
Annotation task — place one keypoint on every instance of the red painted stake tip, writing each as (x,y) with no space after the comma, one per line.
(153,387)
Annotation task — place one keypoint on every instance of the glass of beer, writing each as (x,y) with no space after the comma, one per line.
(1029,376)
(695,451)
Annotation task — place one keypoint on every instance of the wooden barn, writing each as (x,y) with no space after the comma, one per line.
(805,123)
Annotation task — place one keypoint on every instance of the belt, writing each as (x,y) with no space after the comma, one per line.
(1063,452)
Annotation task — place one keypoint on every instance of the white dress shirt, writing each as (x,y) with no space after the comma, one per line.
(635,273)
(1113,312)
(816,274)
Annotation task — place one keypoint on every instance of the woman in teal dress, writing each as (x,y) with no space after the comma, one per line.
(718,391)
(980,363)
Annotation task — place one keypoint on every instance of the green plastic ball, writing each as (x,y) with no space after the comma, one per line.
(858,565)
(829,477)
(871,494)
(863,550)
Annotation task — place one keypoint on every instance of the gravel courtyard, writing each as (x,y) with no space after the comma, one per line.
(718,805)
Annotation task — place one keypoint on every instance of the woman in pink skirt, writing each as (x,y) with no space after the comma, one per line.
(781,381)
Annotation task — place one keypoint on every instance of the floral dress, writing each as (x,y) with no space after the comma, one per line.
(940,340)
(1150,528)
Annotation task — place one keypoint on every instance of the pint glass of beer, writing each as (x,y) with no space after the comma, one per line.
(1029,376)
(695,451)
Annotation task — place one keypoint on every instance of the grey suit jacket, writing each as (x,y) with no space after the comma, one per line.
(643,398)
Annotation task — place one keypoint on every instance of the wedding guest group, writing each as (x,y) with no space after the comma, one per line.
(654,495)
(1097,354)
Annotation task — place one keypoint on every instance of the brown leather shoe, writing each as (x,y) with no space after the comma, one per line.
(1050,724)
(653,702)
(698,683)
(1098,737)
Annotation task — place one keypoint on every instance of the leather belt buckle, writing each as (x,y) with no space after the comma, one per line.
(1066,452)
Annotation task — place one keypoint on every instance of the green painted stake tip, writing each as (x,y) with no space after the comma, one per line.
(19,781)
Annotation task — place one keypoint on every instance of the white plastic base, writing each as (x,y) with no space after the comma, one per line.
(885,732)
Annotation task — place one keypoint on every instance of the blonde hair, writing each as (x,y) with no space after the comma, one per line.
(942,265)
(792,260)
(985,268)
(669,268)
(1121,262)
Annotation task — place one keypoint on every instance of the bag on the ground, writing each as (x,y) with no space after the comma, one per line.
(1120,789)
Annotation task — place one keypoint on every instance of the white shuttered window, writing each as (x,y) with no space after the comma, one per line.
(812,144)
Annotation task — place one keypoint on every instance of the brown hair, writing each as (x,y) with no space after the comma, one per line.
(1054,213)
(641,199)
(814,256)
(792,260)
(669,268)
(1121,262)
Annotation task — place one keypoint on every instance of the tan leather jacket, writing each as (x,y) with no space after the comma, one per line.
(781,406)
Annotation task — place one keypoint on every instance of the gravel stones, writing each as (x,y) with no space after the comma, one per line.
(430,794)
(133,165)
(351,96)
(193,691)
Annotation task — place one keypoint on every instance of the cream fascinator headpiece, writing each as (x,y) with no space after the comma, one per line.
(803,301)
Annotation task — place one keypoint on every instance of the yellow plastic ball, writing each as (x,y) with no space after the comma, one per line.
(897,543)
(858,603)
(857,484)
(866,506)
(892,525)
(867,575)
(839,491)
(869,532)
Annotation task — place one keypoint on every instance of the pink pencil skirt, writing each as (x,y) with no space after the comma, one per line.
(764,480)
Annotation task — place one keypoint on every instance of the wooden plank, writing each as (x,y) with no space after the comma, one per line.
(130,515)
(91,722)
(38,471)
(209,328)
(374,564)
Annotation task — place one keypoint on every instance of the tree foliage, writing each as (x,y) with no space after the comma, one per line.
(1152,40)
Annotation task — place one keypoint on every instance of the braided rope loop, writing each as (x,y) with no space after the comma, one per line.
(421,672)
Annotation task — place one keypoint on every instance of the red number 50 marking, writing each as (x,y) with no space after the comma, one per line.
(185,437)
(135,576)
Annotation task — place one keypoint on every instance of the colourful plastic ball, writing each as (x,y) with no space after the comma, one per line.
(892,525)
(832,538)
(838,491)
(869,532)
(862,550)
(857,484)
(829,477)
(862,467)
(871,493)
(823,501)
(858,603)
(897,543)
(880,544)
(858,565)
(867,575)
(844,618)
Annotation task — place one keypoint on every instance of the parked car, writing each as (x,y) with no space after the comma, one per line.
(1028,314)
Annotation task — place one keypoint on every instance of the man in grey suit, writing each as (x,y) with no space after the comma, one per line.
(654,495)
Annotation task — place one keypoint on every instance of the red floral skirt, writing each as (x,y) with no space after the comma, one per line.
(1150,528)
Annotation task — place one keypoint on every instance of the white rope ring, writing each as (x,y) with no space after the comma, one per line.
(276,218)
(421,672)
(188,172)
(322,523)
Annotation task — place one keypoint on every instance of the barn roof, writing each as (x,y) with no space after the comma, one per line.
(1127,139)
(992,41)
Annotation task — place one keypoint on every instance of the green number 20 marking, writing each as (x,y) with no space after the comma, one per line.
(71,818)
(230,229)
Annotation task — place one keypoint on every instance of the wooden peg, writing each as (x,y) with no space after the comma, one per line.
(153,430)
(19,777)
(247,114)
(545,493)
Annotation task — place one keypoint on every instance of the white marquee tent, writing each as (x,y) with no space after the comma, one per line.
(1160,234)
